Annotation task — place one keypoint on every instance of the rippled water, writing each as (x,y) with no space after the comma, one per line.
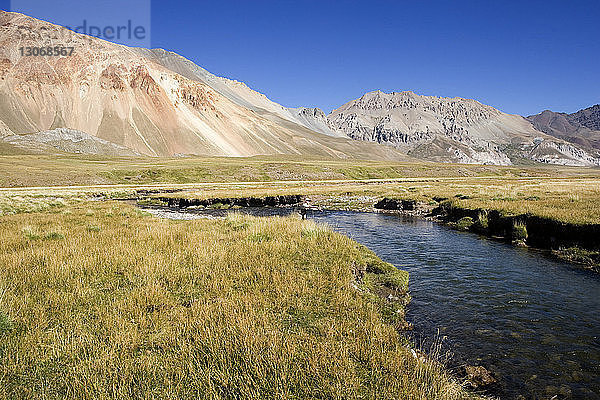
(532,320)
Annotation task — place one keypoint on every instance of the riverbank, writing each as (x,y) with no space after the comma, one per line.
(556,214)
(100,300)
(559,228)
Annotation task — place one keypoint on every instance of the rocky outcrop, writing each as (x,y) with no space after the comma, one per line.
(450,129)
(588,117)
(396,204)
(562,153)
(68,141)
(315,119)
(478,377)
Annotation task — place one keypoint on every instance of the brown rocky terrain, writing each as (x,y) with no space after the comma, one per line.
(581,127)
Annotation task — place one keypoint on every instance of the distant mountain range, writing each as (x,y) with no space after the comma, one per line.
(115,100)
(452,129)
(152,102)
(582,127)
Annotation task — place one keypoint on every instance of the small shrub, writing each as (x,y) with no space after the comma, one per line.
(259,237)
(519,232)
(59,202)
(5,323)
(54,236)
(142,213)
(464,224)
(93,228)
(30,234)
(482,222)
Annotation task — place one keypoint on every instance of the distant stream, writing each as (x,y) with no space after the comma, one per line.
(530,319)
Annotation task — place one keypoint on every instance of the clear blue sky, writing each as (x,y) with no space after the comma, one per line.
(519,56)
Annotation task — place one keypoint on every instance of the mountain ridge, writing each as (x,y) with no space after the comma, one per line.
(451,129)
(122,95)
(158,103)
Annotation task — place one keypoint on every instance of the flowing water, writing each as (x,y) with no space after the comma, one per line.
(530,319)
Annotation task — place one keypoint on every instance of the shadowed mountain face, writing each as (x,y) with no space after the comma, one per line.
(150,101)
(582,127)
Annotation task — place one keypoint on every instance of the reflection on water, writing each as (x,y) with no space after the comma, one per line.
(532,320)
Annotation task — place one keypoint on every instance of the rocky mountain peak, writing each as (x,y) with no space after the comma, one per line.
(443,129)
(313,112)
(588,117)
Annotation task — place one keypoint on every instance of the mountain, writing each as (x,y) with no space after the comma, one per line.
(239,93)
(106,98)
(152,102)
(582,127)
(451,129)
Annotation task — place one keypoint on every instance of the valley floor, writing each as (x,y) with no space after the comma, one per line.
(99,300)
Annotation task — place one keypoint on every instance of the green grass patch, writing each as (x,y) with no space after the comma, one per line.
(519,231)
(93,228)
(5,323)
(464,224)
(54,236)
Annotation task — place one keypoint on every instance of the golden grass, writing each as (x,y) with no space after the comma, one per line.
(98,300)
(568,200)
(54,170)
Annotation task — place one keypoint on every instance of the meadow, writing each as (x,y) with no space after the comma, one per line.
(100,300)
(573,200)
(70,170)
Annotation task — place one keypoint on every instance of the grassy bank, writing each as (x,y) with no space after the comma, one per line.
(561,214)
(98,300)
(568,200)
(571,200)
